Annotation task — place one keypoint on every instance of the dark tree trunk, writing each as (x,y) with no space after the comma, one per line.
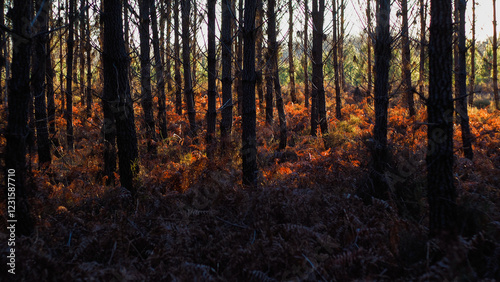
(369,46)
(17,126)
(406,59)
(51,104)
(61,73)
(69,77)
(472,76)
(291,67)
(147,98)
(341,44)
(117,93)
(441,191)
(318,110)
(186,63)
(462,84)
(273,56)
(239,57)
(212,76)
(306,54)
(249,143)
(89,65)
(423,43)
(168,55)
(227,96)
(495,58)
(193,33)
(336,44)
(178,78)
(382,59)
(38,82)
(160,82)
(82,41)
(260,38)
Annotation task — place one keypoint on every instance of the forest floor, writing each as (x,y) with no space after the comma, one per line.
(193,220)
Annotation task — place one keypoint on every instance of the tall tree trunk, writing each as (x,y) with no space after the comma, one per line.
(406,59)
(17,126)
(61,73)
(382,59)
(126,32)
(227,96)
(318,110)
(462,83)
(38,82)
(186,62)
(306,54)
(160,82)
(369,46)
(249,143)
(291,67)
(495,59)
(193,43)
(89,65)
(82,41)
(472,76)
(147,98)
(168,56)
(273,56)
(239,57)
(117,92)
(178,78)
(260,38)
(336,43)
(51,105)
(440,188)
(423,43)
(341,44)
(69,77)
(212,76)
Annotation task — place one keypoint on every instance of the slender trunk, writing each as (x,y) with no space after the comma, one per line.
(83,39)
(341,44)
(178,78)
(260,38)
(318,107)
(369,46)
(117,90)
(126,32)
(273,53)
(336,43)
(69,77)
(61,73)
(249,143)
(51,105)
(306,54)
(89,65)
(406,58)
(495,59)
(227,96)
(462,84)
(239,56)
(17,124)
(212,76)
(382,59)
(423,43)
(291,67)
(168,55)
(160,84)
(193,43)
(472,76)
(38,82)
(186,62)
(147,98)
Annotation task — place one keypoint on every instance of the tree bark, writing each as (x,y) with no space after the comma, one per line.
(440,188)
(423,43)
(69,77)
(462,84)
(17,126)
(51,105)
(382,59)
(472,76)
(117,97)
(160,81)
(89,65)
(186,63)
(306,54)
(147,98)
(177,74)
(227,96)
(249,143)
(318,110)
(239,58)
(260,38)
(291,67)
(495,59)
(273,56)
(369,46)
(406,59)
(336,44)
(38,82)
(212,76)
